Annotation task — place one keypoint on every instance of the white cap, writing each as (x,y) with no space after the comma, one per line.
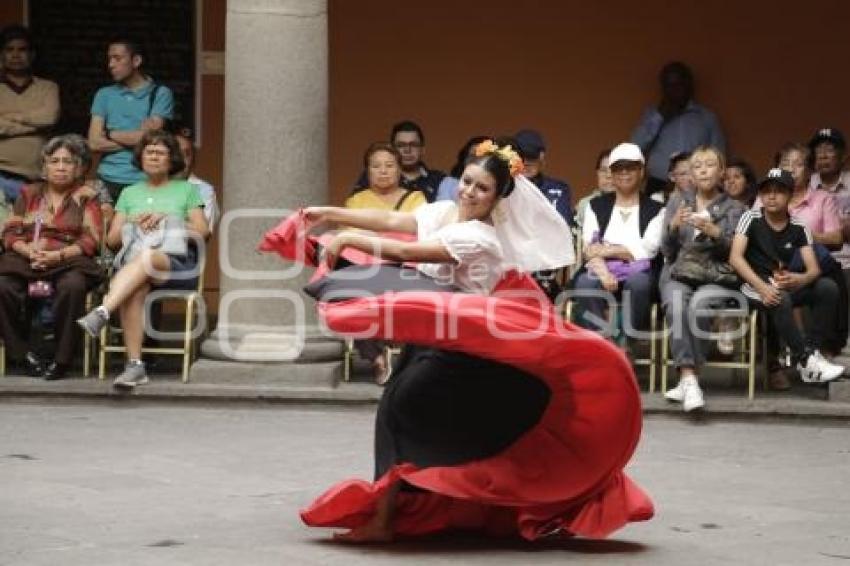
(625,152)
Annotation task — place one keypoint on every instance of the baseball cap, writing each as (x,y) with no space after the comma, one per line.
(529,144)
(777,176)
(625,152)
(831,135)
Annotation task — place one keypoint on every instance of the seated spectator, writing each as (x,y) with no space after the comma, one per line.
(621,237)
(382,162)
(678,177)
(829,149)
(818,211)
(205,189)
(51,238)
(603,185)
(764,246)
(163,211)
(740,182)
(449,184)
(385,191)
(29,107)
(532,149)
(409,141)
(701,221)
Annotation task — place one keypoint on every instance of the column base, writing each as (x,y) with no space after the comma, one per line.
(279,344)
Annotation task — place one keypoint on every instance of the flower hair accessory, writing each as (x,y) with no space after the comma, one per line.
(505,153)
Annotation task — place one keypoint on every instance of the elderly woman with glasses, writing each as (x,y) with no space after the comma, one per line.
(51,239)
(156,221)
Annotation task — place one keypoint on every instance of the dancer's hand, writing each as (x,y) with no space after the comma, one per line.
(332,251)
(315,215)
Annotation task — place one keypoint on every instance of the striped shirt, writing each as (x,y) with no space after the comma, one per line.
(769,250)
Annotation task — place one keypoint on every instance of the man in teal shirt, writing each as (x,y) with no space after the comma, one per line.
(122,112)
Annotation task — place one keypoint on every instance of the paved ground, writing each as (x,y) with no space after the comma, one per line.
(141,483)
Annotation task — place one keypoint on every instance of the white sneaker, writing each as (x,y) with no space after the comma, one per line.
(818,369)
(693,397)
(677,394)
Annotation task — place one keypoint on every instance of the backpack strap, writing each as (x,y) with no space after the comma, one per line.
(402,199)
(152,98)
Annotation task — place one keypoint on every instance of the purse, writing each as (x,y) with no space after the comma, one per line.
(39,289)
(697,265)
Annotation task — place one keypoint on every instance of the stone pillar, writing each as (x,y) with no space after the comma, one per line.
(275,159)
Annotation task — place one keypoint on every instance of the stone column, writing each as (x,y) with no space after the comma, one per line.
(275,159)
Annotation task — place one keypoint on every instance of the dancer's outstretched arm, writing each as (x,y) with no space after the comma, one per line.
(394,250)
(364,218)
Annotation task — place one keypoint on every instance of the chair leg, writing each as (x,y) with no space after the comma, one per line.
(665,348)
(187,340)
(86,355)
(653,350)
(88,341)
(347,361)
(101,358)
(751,377)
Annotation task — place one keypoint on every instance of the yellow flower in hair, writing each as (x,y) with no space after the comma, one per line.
(484,148)
(506,154)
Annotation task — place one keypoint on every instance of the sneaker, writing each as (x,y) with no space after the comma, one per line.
(818,369)
(134,374)
(677,394)
(693,397)
(92,323)
(688,393)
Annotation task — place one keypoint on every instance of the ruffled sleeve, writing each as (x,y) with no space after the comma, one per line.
(432,217)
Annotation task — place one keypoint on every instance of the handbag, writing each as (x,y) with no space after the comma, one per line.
(697,265)
(39,289)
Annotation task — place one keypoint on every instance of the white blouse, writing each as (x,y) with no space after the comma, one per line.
(624,230)
(474,246)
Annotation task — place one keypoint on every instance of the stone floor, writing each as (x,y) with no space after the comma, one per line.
(99,483)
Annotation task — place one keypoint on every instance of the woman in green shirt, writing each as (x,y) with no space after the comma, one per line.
(149,206)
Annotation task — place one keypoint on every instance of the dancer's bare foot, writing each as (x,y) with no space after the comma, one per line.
(380,527)
(373,531)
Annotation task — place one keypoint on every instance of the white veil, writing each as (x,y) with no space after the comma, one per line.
(533,235)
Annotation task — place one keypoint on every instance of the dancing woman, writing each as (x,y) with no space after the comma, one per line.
(527,435)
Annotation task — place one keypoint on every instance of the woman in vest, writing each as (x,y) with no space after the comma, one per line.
(621,236)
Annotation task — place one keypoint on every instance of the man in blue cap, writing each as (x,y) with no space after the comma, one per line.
(532,149)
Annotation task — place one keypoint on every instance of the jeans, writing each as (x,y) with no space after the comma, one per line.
(636,291)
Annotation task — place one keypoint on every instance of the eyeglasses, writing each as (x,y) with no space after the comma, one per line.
(407,145)
(155,151)
(62,160)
